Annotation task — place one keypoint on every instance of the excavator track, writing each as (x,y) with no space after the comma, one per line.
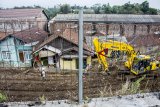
(131,77)
(125,75)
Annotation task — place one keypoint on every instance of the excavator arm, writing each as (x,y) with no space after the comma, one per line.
(102,50)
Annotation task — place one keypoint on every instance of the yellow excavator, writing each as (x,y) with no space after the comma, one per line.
(118,50)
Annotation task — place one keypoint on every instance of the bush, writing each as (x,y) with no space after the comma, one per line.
(135,86)
(42,99)
(3,97)
(131,87)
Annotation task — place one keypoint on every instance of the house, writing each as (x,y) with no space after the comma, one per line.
(16,48)
(14,53)
(48,56)
(125,24)
(13,20)
(67,43)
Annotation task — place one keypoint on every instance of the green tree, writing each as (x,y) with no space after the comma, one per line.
(115,9)
(65,9)
(127,8)
(145,7)
(107,8)
(138,8)
(51,12)
(85,7)
(153,11)
(96,8)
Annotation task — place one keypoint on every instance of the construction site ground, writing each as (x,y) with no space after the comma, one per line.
(28,85)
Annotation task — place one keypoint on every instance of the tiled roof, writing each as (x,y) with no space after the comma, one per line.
(31,35)
(3,35)
(69,34)
(146,40)
(19,13)
(109,18)
(72,35)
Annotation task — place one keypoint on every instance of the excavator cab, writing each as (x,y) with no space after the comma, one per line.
(142,64)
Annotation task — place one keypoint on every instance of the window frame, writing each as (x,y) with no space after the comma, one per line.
(6,55)
(27,55)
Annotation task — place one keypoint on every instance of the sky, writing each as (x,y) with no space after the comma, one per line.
(51,3)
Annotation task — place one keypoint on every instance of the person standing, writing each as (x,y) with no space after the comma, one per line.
(43,73)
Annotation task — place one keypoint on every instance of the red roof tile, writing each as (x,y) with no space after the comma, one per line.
(3,35)
(31,35)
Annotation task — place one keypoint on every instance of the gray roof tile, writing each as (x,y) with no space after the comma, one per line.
(110,18)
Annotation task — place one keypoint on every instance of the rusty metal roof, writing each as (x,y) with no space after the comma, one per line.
(109,18)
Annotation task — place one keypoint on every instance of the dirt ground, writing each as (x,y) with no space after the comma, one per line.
(27,85)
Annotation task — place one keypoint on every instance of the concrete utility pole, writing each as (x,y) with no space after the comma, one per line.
(80,42)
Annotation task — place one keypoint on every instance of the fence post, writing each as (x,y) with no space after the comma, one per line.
(80,41)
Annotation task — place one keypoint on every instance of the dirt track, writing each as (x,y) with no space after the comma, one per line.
(29,86)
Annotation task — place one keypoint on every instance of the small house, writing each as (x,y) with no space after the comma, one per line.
(16,49)
(67,43)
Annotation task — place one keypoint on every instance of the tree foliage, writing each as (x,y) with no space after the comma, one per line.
(126,8)
(65,8)
(51,12)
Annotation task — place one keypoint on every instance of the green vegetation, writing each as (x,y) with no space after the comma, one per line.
(3,97)
(127,8)
(42,99)
(135,86)
(127,88)
(132,87)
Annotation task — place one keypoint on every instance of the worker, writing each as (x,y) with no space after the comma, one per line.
(43,73)
(88,67)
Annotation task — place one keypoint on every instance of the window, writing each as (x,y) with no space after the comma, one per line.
(6,54)
(84,63)
(21,56)
(67,59)
(55,59)
(27,55)
(1,25)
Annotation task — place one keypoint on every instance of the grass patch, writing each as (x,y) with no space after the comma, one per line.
(42,99)
(131,87)
(126,89)
(3,97)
